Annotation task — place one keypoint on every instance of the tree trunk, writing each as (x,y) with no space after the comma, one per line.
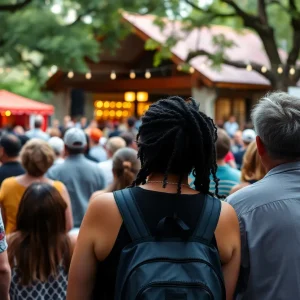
(282,82)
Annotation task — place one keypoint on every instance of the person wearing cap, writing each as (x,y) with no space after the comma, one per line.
(81,176)
(58,146)
(37,131)
(10,147)
(248,136)
(96,150)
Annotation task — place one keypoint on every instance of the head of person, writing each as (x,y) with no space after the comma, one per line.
(252,168)
(10,147)
(54,132)
(232,119)
(237,138)
(222,145)
(125,168)
(116,125)
(276,120)
(114,144)
(176,138)
(83,122)
(58,146)
(19,130)
(55,123)
(131,122)
(129,140)
(38,122)
(67,120)
(95,136)
(248,136)
(40,243)
(75,141)
(37,157)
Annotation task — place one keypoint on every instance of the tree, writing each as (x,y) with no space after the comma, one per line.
(273,21)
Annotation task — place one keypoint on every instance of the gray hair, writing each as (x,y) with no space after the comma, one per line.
(276,119)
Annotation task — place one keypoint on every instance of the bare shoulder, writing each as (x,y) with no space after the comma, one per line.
(228,216)
(238,187)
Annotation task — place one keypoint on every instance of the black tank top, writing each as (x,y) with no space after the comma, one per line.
(154,206)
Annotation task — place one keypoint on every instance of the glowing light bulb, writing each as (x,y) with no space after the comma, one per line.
(147,74)
(179,68)
(279,70)
(113,75)
(71,74)
(249,68)
(264,69)
(132,75)
(88,75)
(192,70)
(292,71)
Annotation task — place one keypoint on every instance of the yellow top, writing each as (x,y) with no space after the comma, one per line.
(11,193)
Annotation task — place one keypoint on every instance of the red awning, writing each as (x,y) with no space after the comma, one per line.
(19,105)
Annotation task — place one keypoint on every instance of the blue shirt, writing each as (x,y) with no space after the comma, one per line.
(37,134)
(228,176)
(269,218)
(231,128)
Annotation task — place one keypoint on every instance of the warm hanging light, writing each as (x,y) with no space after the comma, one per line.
(54,69)
(71,74)
(280,70)
(49,74)
(8,113)
(249,68)
(113,75)
(132,74)
(129,97)
(192,70)
(88,75)
(179,68)
(142,96)
(264,69)
(292,71)
(147,74)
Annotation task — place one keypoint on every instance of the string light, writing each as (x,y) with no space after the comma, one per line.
(113,75)
(264,69)
(1,70)
(49,74)
(88,75)
(179,68)
(292,71)
(54,69)
(249,68)
(71,74)
(192,70)
(147,74)
(279,70)
(132,74)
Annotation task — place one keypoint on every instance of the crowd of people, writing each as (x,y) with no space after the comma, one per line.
(170,207)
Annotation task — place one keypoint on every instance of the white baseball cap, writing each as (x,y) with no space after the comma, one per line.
(248,135)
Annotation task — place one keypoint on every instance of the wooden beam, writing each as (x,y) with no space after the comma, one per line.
(122,85)
(241,86)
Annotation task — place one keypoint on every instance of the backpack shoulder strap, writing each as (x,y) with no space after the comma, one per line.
(208,219)
(131,214)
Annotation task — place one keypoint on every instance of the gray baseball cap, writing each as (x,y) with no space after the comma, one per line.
(75,138)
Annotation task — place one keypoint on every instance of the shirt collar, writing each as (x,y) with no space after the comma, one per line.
(284,168)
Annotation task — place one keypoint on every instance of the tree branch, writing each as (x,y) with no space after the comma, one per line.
(80,16)
(14,7)
(214,14)
(237,64)
(262,12)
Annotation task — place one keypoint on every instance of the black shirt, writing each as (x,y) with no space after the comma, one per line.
(154,206)
(10,169)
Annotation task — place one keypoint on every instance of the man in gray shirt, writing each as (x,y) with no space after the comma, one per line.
(269,210)
(81,176)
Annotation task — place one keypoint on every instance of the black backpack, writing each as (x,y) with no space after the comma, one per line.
(169,269)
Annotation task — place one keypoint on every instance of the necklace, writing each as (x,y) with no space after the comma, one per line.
(173,183)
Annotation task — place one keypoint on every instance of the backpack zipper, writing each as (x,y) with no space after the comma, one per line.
(174,260)
(175,284)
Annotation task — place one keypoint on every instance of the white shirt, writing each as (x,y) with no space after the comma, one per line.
(106,167)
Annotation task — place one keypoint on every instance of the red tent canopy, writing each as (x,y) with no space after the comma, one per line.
(19,105)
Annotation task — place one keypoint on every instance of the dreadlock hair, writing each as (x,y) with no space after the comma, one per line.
(175,137)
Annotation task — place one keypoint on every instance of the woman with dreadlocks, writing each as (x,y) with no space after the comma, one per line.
(174,139)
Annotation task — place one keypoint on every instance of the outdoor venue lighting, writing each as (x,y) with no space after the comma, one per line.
(129,96)
(147,74)
(179,68)
(132,74)
(292,71)
(249,68)
(280,70)
(8,113)
(88,75)
(142,96)
(113,75)
(192,70)
(71,74)
(264,69)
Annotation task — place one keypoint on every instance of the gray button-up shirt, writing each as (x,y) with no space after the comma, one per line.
(269,217)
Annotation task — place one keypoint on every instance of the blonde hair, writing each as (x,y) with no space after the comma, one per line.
(252,167)
(37,157)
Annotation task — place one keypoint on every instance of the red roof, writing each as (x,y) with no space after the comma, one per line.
(248,48)
(19,105)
